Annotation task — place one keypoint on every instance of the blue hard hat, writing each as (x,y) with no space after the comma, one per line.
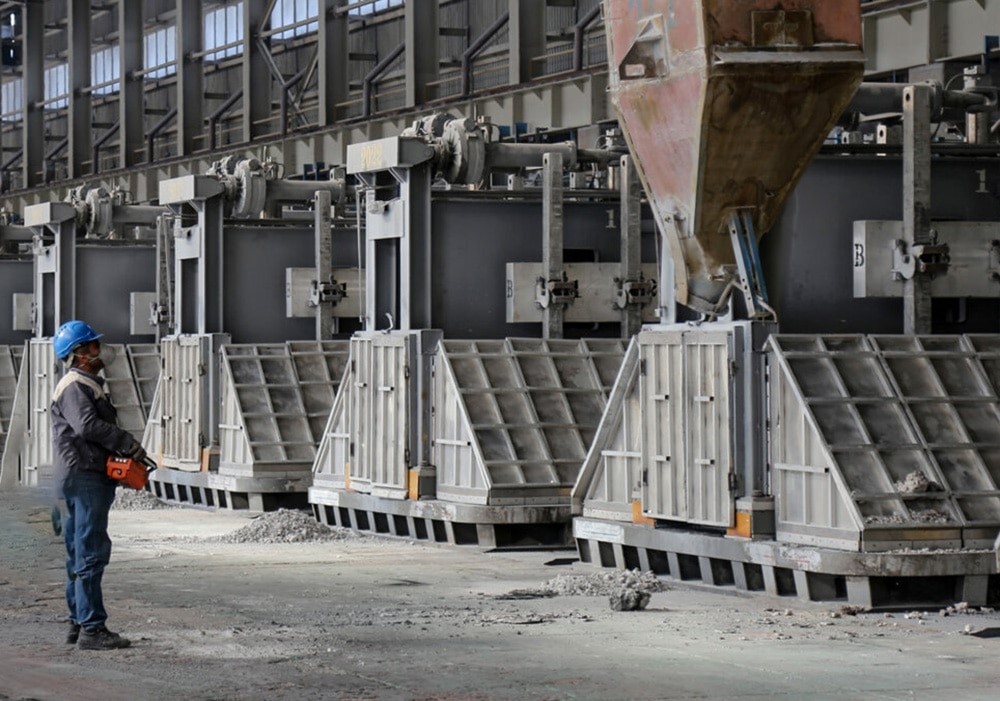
(71,335)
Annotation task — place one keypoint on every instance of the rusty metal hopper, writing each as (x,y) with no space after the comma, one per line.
(724,103)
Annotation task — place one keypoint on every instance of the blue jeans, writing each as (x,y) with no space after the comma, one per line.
(88,548)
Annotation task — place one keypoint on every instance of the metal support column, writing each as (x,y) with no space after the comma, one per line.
(131,114)
(163,315)
(333,62)
(917,203)
(324,266)
(552,239)
(256,78)
(631,233)
(420,38)
(527,37)
(80,120)
(415,251)
(55,279)
(33,87)
(190,76)
(198,271)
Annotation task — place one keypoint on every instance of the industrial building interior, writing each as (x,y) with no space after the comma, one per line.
(511,349)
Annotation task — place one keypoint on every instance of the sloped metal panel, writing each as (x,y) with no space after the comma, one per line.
(17,352)
(811,504)
(121,387)
(8,388)
(145,361)
(910,429)
(319,369)
(611,476)
(332,465)
(275,399)
(513,419)
(15,446)
(152,437)
(234,443)
(458,459)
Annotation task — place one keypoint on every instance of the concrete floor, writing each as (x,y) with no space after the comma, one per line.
(378,619)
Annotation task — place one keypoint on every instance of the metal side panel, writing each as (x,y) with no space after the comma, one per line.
(662,395)
(709,428)
(145,361)
(152,437)
(461,471)
(332,465)
(234,445)
(388,430)
(359,416)
(687,454)
(16,443)
(44,374)
(8,388)
(611,475)
(182,394)
(11,425)
(810,506)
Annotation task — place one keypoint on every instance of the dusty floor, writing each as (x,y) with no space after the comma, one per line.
(375,619)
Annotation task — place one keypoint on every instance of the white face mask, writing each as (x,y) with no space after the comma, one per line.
(106,355)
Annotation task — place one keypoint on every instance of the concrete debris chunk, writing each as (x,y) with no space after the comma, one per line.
(605,583)
(962,608)
(629,600)
(132,500)
(914,483)
(851,610)
(285,526)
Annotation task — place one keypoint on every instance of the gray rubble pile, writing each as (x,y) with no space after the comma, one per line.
(285,526)
(132,500)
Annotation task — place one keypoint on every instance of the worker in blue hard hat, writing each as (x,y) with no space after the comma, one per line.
(85,433)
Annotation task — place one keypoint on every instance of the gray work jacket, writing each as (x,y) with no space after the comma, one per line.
(85,427)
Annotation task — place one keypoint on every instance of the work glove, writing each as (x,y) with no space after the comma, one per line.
(56,516)
(136,451)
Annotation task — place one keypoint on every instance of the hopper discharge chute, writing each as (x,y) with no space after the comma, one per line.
(724,104)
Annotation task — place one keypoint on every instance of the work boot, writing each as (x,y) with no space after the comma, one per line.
(101,638)
(73,633)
